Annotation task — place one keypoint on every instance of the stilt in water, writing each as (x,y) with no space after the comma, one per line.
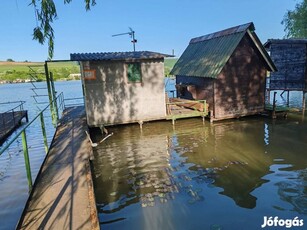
(274,106)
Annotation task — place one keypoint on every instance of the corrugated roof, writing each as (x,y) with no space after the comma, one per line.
(207,58)
(117,56)
(285,41)
(207,55)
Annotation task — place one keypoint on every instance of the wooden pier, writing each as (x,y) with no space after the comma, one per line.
(62,196)
(10,121)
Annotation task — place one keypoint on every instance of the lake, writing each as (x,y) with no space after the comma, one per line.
(225,175)
(13,179)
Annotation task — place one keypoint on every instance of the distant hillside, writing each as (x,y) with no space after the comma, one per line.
(169,64)
(20,71)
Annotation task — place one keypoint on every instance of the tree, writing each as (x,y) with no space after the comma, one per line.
(10,60)
(295,21)
(46,13)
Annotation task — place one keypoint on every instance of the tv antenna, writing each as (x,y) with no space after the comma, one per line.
(131,33)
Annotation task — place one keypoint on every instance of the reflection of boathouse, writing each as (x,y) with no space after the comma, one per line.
(228,69)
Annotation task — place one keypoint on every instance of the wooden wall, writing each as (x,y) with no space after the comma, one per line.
(291,62)
(239,89)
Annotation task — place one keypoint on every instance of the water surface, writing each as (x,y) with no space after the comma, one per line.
(226,175)
(13,179)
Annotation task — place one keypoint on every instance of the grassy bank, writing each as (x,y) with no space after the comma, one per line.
(12,71)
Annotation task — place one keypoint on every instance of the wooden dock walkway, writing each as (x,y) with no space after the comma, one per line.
(62,196)
(10,121)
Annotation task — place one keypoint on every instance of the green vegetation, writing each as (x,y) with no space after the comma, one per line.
(15,71)
(45,14)
(295,21)
(20,71)
(168,65)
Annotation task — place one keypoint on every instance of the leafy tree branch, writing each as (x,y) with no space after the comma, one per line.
(46,13)
(295,21)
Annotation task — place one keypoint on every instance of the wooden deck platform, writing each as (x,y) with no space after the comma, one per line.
(62,196)
(279,111)
(9,122)
(178,108)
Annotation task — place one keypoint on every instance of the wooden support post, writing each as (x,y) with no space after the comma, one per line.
(304,101)
(274,106)
(211,116)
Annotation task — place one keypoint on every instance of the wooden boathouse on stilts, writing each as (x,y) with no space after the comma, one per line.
(290,58)
(227,69)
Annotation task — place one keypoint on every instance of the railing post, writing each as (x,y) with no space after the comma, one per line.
(44,132)
(26,156)
(50,94)
(54,97)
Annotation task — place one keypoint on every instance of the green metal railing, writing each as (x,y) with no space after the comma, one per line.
(22,133)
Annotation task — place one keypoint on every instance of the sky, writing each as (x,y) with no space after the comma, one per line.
(159,25)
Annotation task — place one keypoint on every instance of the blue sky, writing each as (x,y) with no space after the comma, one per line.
(160,25)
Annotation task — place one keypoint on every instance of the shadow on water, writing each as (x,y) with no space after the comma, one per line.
(192,175)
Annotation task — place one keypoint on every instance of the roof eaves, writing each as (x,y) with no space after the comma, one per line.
(262,51)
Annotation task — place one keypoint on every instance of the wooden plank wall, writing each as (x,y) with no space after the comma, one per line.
(290,60)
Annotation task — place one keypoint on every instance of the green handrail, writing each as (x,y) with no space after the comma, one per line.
(27,125)
(22,133)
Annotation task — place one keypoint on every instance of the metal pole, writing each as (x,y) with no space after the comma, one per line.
(49,93)
(26,156)
(44,132)
(54,97)
(133,41)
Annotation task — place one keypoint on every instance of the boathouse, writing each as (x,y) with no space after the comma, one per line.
(122,87)
(290,57)
(227,69)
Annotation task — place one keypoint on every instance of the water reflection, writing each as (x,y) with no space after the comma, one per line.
(161,176)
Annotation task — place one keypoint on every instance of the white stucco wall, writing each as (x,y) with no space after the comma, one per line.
(111,99)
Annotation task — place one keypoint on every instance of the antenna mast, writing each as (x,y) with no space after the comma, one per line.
(132,35)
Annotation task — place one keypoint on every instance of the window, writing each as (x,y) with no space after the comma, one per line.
(134,72)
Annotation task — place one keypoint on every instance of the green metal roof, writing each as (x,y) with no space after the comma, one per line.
(207,58)
(207,55)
